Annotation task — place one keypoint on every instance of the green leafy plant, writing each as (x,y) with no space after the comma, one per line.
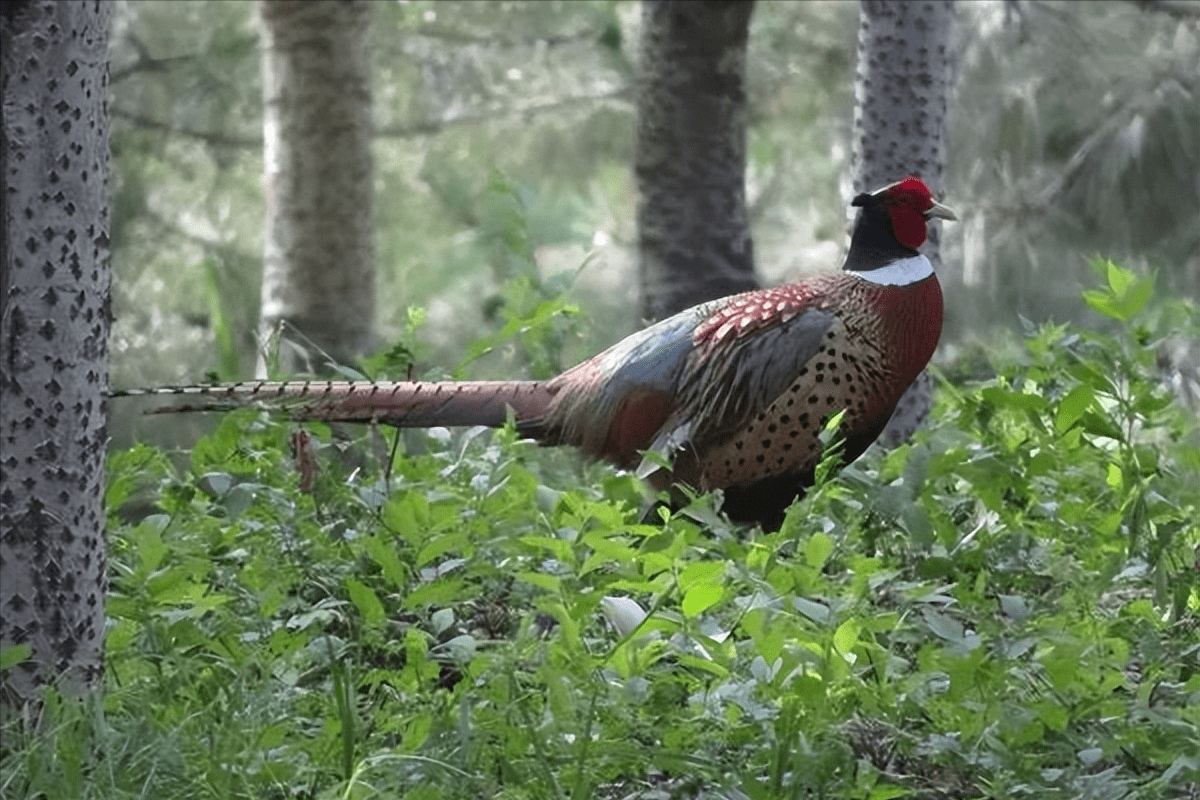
(1005,607)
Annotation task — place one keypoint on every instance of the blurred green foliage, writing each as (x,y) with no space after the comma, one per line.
(1076,131)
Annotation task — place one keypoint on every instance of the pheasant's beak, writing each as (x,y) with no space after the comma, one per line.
(941,212)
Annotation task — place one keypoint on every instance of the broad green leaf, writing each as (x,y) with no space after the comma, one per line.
(1126,296)
(550,583)
(416,652)
(1120,280)
(818,549)
(442,619)
(1108,524)
(1061,664)
(1137,298)
(437,593)
(918,525)
(558,548)
(1052,714)
(703,665)
(147,536)
(1114,476)
(700,597)
(1102,302)
(13,655)
(817,612)
(384,554)
(440,545)
(366,601)
(1071,408)
(1100,425)
(607,549)
(946,627)
(846,636)
(769,641)
(400,515)
(702,572)
(416,731)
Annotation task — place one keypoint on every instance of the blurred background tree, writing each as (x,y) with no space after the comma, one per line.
(503,151)
(1076,131)
(694,241)
(318,269)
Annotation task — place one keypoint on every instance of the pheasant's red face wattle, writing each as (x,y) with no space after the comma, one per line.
(909,203)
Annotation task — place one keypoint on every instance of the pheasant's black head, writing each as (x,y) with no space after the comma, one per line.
(909,205)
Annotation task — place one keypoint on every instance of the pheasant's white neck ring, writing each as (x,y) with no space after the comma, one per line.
(901,272)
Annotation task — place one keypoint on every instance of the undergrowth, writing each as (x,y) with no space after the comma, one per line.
(1006,607)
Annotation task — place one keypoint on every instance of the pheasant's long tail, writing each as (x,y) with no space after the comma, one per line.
(403,404)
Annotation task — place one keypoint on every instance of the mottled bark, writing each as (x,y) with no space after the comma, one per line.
(319,247)
(54,279)
(902,93)
(693,233)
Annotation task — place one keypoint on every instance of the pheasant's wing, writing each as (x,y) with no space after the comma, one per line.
(613,404)
(740,364)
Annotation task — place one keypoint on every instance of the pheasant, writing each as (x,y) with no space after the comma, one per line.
(732,393)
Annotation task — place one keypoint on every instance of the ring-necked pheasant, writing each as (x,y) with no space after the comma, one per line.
(734,392)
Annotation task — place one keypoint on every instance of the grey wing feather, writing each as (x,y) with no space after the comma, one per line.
(656,356)
(722,390)
(653,358)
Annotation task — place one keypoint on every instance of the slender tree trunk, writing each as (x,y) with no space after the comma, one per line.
(54,284)
(693,233)
(319,248)
(902,93)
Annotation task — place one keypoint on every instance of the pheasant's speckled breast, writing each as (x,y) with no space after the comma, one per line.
(881,339)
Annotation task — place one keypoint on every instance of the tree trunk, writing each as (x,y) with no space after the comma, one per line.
(319,248)
(54,285)
(902,92)
(693,233)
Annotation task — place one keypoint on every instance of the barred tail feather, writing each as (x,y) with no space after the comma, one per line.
(403,404)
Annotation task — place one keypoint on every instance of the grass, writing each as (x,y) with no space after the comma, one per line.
(1005,607)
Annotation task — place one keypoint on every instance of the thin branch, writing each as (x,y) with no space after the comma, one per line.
(1104,131)
(208,137)
(428,127)
(494,40)
(144,61)
(227,252)
(1179,9)
(402,131)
